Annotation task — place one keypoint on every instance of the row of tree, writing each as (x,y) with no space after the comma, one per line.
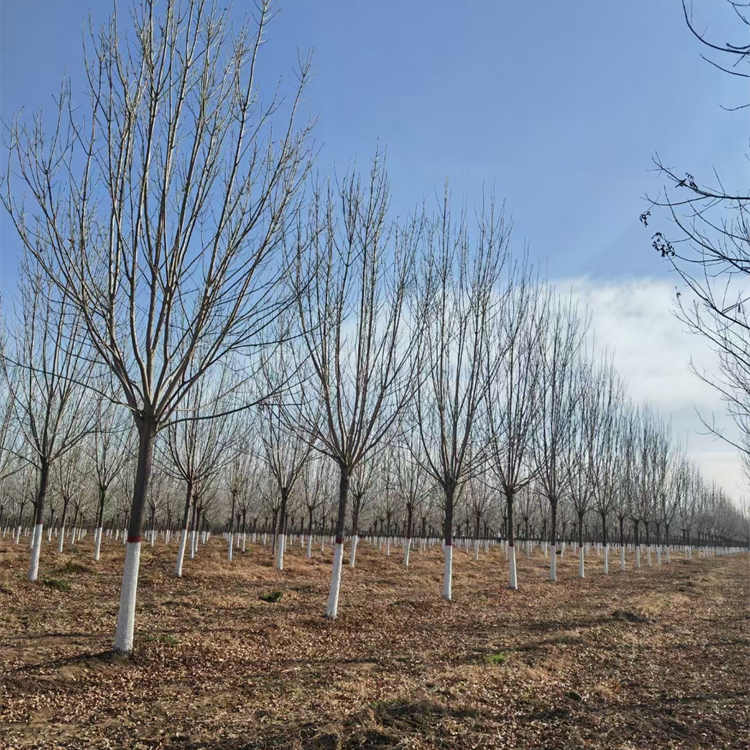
(184,268)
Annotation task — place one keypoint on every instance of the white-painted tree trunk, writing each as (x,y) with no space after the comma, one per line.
(36,548)
(638,556)
(648,555)
(582,565)
(658,554)
(181,553)
(553,562)
(126,615)
(668,556)
(622,557)
(61,539)
(97,543)
(407,549)
(513,582)
(448,572)
(476,549)
(606,559)
(49,535)
(333,595)
(353,553)
(230,547)
(280,543)
(308,555)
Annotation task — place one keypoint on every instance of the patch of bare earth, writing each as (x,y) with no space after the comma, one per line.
(655,658)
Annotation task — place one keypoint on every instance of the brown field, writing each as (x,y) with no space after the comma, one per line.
(654,658)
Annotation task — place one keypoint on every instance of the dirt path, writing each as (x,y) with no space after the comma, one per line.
(654,658)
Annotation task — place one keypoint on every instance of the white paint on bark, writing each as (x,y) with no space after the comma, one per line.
(333,595)
(126,615)
(513,583)
(553,562)
(36,548)
(448,572)
(181,553)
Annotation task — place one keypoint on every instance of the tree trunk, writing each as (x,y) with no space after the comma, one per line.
(338,551)
(308,554)
(448,537)
(281,536)
(36,545)
(61,540)
(126,614)
(99,522)
(355,530)
(407,548)
(513,576)
(581,556)
(184,531)
(553,540)
(637,541)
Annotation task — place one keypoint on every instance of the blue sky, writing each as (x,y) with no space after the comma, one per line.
(559,106)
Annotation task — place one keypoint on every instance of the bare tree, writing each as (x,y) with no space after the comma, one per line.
(607,442)
(317,486)
(195,450)
(559,348)
(285,449)
(361,483)
(352,291)
(411,483)
(708,242)
(513,392)
(45,369)
(456,361)
(160,214)
(112,448)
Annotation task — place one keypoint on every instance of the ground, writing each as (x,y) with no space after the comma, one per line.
(650,658)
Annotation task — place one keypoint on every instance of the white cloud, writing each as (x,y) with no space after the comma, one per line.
(653,351)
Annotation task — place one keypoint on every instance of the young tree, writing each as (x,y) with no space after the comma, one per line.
(460,298)
(352,292)
(607,441)
(410,482)
(197,449)
(112,449)
(513,393)
(284,448)
(559,347)
(160,214)
(361,483)
(46,370)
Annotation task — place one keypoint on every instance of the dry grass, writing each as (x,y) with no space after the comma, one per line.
(653,658)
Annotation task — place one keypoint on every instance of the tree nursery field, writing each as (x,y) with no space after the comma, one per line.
(656,657)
